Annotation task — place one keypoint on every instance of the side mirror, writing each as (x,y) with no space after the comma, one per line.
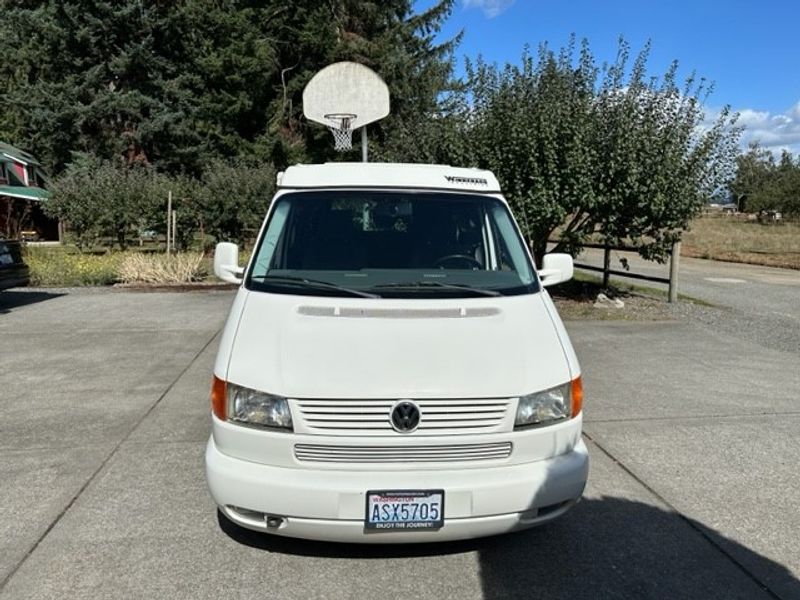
(556,268)
(226,263)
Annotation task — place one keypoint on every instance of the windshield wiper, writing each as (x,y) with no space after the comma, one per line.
(313,283)
(416,285)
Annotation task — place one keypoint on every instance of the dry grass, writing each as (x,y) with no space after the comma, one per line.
(161,268)
(775,245)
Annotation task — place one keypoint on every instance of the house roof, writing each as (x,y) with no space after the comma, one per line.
(8,151)
(14,184)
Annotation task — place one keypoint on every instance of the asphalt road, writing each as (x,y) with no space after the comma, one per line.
(693,489)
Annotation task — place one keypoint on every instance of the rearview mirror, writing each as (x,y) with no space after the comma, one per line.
(226,263)
(556,268)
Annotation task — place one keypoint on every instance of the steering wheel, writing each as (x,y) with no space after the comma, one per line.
(473,262)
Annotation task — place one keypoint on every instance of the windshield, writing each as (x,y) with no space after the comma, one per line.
(391,245)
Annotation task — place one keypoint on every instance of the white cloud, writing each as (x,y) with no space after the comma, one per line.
(490,8)
(775,132)
(794,112)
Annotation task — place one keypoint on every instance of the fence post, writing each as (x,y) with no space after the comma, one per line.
(673,271)
(169,217)
(606,265)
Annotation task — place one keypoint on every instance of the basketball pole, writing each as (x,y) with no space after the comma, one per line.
(364,151)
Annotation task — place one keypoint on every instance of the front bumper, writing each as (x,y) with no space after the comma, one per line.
(329,504)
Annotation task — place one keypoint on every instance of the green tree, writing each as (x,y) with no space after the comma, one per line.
(762,183)
(658,162)
(233,198)
(105,199)
(611,152)
(753,171)
(97,77)
(179,84)
(531,125)
(786,190)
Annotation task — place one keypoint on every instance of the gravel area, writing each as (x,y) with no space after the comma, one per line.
(636,308)
(769,329)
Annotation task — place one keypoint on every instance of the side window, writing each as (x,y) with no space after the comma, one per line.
(510,259)
(504,261)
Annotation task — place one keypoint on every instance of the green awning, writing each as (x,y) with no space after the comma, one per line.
(26,193)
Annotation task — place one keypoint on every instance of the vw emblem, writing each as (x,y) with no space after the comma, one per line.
(405,416)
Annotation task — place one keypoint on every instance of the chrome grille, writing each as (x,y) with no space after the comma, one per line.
(402,454)
(371,417)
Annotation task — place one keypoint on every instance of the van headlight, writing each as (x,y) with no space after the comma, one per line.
(543,408)
(252,407)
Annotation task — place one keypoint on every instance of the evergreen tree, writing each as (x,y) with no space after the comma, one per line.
(178,84)
(95,76)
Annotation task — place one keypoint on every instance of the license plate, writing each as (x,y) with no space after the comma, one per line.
(404,510)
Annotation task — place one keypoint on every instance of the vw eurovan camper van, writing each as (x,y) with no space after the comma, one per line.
(393,368)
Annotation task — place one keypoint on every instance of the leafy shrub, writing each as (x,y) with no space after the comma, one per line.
(100,200)
(106,199)
(233,198)
(162,268)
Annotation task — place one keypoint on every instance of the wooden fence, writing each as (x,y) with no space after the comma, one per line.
(607,271)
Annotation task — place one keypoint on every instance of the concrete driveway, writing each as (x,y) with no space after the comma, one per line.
(693,489)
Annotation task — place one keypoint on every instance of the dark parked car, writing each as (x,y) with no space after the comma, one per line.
(13,270)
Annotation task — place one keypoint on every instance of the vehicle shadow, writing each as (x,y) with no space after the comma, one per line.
(604,547)
(17,298)
(617,548)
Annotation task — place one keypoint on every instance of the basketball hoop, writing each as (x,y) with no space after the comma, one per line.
(340,125)
(346,96)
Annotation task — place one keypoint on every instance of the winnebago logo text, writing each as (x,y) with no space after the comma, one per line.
(473,180)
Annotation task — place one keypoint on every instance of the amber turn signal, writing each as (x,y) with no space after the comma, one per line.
(577,396)
(219,397)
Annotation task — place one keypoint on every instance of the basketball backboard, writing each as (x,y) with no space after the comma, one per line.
(346,90)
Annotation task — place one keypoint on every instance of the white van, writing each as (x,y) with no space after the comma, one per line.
(392,369)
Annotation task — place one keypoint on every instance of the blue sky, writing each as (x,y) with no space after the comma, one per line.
(750,50)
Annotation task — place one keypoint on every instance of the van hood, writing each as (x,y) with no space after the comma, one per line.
(315,347)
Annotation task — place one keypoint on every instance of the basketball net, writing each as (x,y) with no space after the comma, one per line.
(341,130)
